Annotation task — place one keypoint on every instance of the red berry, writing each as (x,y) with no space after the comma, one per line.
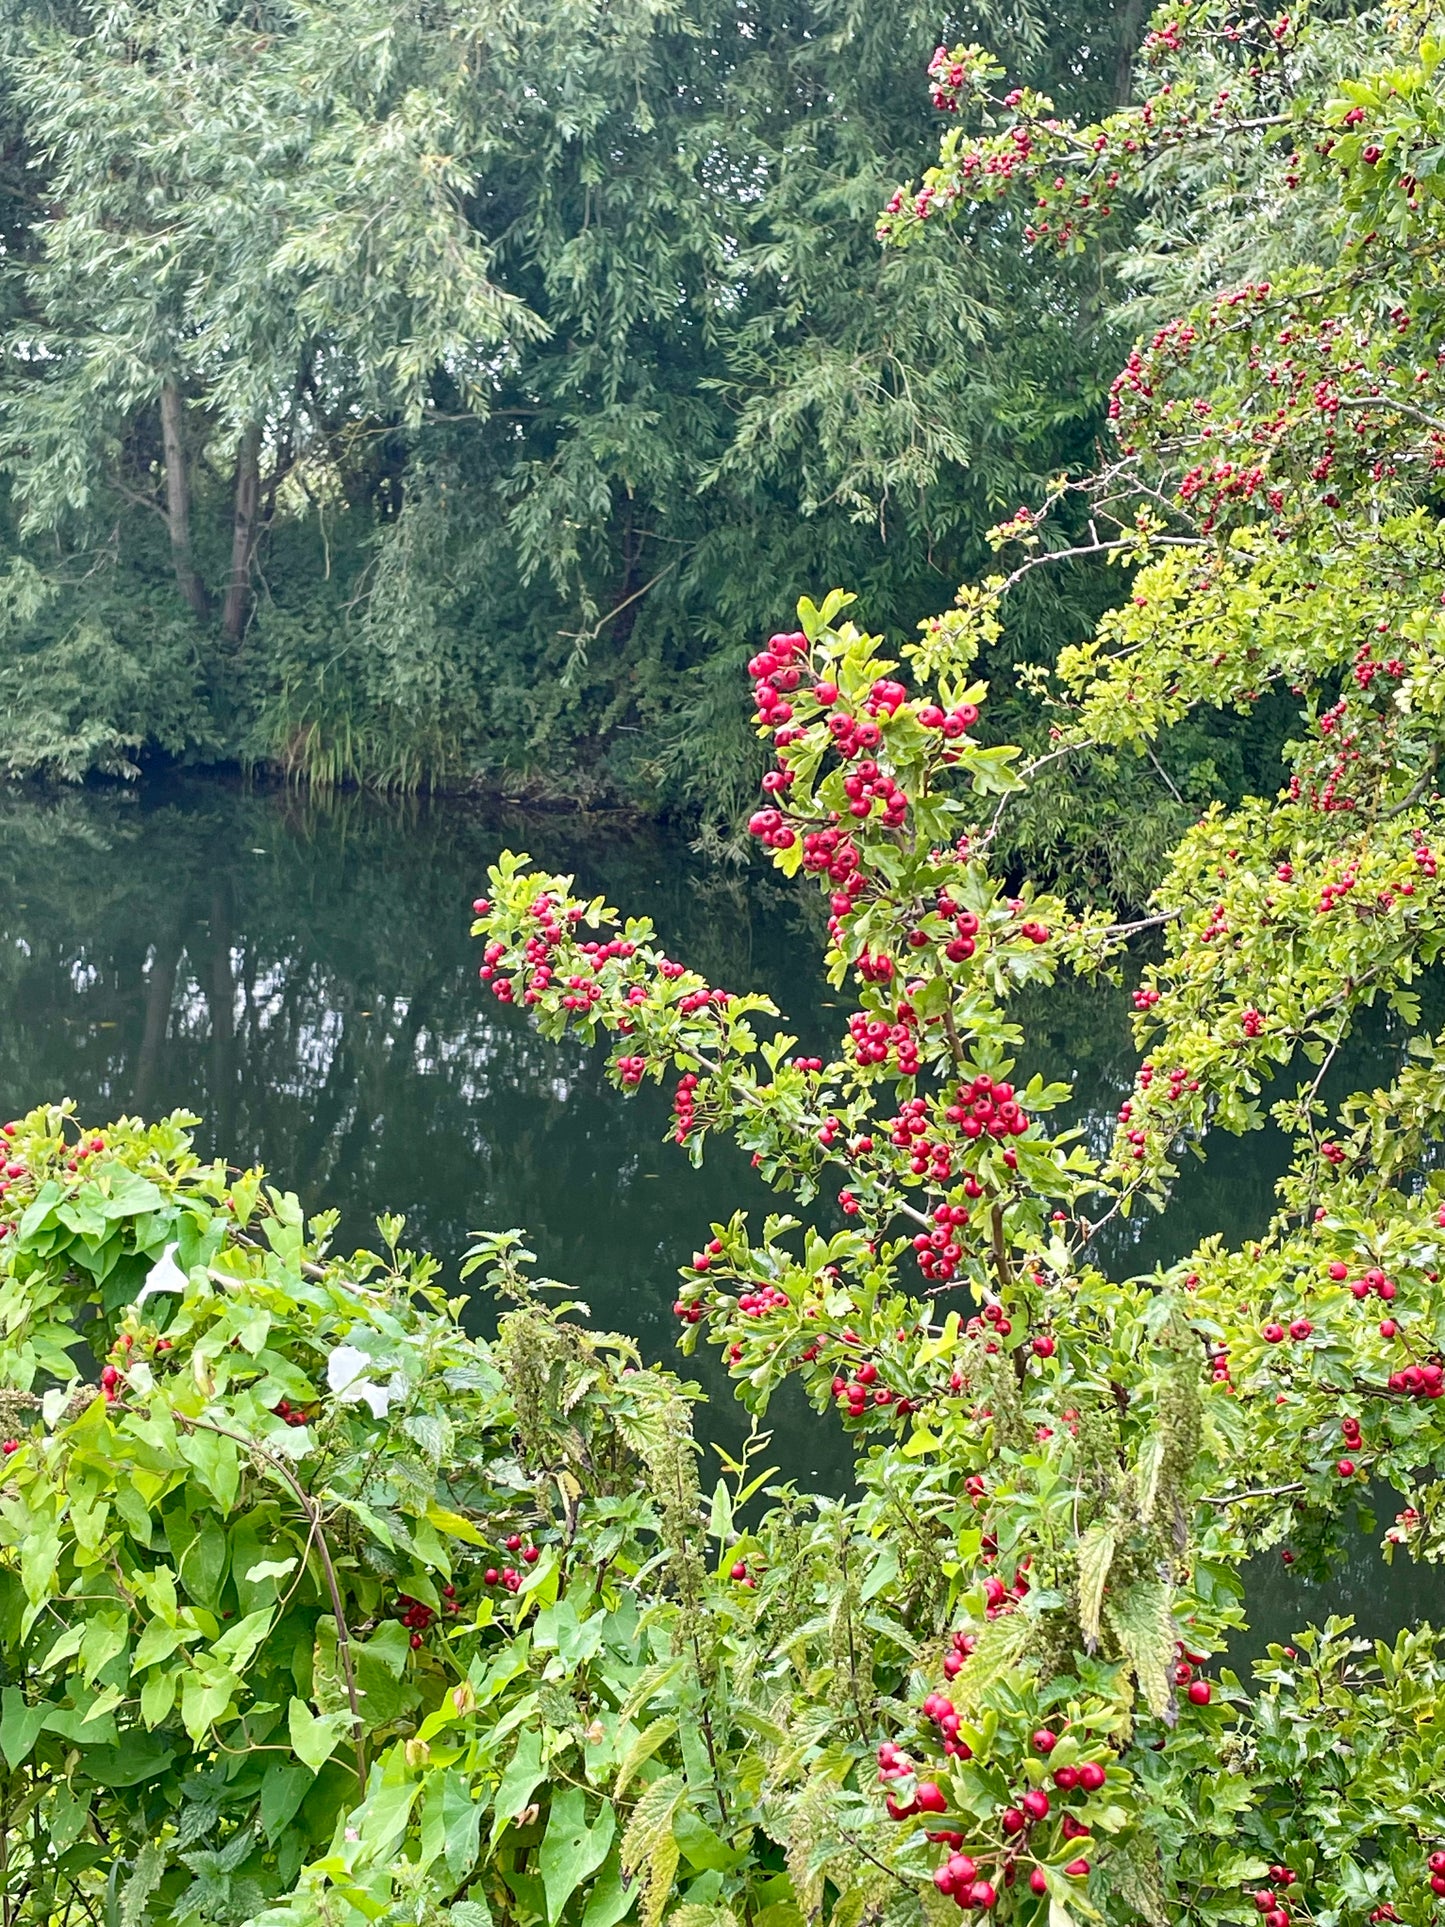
(1091,1776)
(1039,1881)
(1045,1741)
(1076,1869)
(1346,1468)
(1200,1691)
(416,1641)
(930,1797)
(738,1570)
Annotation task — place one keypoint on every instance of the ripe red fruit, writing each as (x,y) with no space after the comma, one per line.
(1035,1804)
(1300,1328)
(1388,1328)
(1273,1333)
(1092,1776)
(1039,1881)
(1346,1468)
(930,1797)
(826,693)
(1043,1345)
(1045,1741)
(1437,1862)
(1077,1869)
(1066,1778)
(1277,1917)
(982,1894)
(738,1570)
(1200,1691)
(416,1641)
(1013,1820)
(1265,1900)
(962,1870)
(1437,1883)
(1339,1272)
(514,1541)
(491,1575)
(531,1555)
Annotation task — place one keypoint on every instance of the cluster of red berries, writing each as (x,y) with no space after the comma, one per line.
(292,1414)
(1200,1692)
(939,1253)
(940,1709)
(508,1576)
(776,675)
(757,1304)
(689,1312)
(953,1662)
(999,1597)
(867,785)
(417,1616)
(1299,1330)
(1332,893)
(1269,1902)
(855,1395)
(684,1105)
(832,852)
(853,735)
(1437,1872)
(631,1069)
(993,1324)
(770,827)
(1419,1381)
(953,724)
(112,1376)
(875,1040)
(985,1107)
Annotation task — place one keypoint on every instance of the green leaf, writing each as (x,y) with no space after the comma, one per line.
(1095,1557)
(314,1736)
(520,1781)
(640,1750)
(571,1850)
(282,1791)
(609,1899)
(20,1726)
(461,1825)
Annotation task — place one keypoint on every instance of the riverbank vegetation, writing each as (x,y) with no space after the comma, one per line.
(432,398)
(317,1611)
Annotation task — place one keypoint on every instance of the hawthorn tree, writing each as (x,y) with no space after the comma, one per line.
(993,1679)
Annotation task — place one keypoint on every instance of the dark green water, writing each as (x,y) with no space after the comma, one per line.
(300,973)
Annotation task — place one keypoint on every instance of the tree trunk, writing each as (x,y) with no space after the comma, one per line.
(243,533)
(1130,28)
(178,499)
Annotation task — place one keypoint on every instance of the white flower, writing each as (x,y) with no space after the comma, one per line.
(164,1275)
(344,1369)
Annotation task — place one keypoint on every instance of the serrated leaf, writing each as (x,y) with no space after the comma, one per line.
(1095,1556)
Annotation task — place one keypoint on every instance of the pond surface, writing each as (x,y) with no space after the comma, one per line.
(300,973)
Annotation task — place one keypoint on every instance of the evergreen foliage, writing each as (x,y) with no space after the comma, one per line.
(416,395)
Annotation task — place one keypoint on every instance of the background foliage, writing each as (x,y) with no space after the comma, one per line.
(488,489)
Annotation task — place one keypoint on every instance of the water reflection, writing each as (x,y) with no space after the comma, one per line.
(301,975)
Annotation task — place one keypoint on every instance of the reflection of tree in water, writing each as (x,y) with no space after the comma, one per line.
(300,973)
